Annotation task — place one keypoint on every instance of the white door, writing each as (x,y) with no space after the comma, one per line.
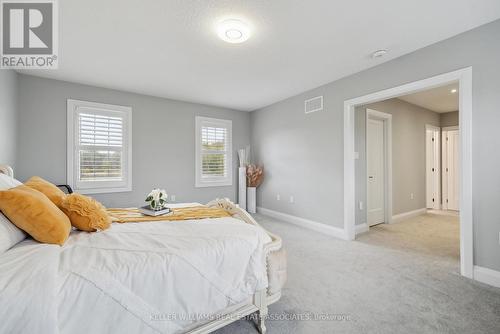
(450,170)
(432,170)
(375,144)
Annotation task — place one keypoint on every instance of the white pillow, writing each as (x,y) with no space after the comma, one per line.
(7,182)
(10,234)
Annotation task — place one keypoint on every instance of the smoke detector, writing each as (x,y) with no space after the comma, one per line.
(379,53)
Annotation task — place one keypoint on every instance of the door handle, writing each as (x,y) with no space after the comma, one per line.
(371,177)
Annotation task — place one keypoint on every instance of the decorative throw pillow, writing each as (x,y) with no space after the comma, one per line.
(34,213)
(85,213)
(55,194)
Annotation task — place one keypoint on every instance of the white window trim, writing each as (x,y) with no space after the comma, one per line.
(109,187)
(228,181)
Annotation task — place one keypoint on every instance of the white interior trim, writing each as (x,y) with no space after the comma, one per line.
(449,128)
(487,276)
(227,180)
(433,127)
(98,187)
(452,213)
(303,222)
(407,215)
(387,119)
(464,77)
(361,228)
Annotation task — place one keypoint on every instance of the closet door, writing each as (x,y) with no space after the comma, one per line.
(432,170)
(375,144)
(451,172)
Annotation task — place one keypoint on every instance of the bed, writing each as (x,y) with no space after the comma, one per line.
(192,276)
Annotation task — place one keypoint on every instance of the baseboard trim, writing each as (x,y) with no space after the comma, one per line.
(361,228)
(406,215)
(487,276)
(306,223)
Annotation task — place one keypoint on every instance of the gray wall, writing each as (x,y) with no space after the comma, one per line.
(449,118)
(303,153)
(170,124)
(408,154)
(8,117)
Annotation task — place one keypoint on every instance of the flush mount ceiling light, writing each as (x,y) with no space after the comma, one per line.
(233,31)
(379,53)
(453,91)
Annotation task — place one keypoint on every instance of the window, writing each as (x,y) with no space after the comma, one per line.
(213,152)
(99,147)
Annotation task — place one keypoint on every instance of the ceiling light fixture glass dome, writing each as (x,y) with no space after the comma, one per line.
(233,31)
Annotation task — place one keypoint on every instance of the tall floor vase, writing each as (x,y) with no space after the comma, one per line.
(252,199)
(242,187)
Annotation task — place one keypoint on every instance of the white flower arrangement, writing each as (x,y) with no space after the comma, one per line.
(157,199)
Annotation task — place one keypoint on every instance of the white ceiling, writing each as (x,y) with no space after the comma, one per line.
(170,49)
(439,99)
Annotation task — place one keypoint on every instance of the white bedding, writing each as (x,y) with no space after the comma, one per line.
(133,278)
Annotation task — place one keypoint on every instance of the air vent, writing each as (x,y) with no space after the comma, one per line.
(314,104)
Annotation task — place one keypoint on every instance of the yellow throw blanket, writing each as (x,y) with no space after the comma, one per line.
(132,215)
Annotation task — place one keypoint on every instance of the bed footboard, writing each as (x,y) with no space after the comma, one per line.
(275,258)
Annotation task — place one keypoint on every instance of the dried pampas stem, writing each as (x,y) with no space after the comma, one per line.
(255,175)
(243,155)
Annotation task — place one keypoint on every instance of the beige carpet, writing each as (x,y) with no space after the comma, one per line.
(436,235)
(399,278)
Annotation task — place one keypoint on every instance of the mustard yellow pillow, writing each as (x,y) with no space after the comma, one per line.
(85,213)
(55,194)
(34,213)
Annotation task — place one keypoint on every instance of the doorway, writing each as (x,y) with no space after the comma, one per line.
(464,79)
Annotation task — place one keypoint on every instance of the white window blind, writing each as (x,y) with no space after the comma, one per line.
(213,152)
(99,147)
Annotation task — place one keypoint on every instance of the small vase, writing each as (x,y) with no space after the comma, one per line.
(252,199)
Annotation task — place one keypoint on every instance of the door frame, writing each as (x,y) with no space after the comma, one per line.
(464,78)
(439,171)
(387,121)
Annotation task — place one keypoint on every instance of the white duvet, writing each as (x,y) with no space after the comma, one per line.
(157,277)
